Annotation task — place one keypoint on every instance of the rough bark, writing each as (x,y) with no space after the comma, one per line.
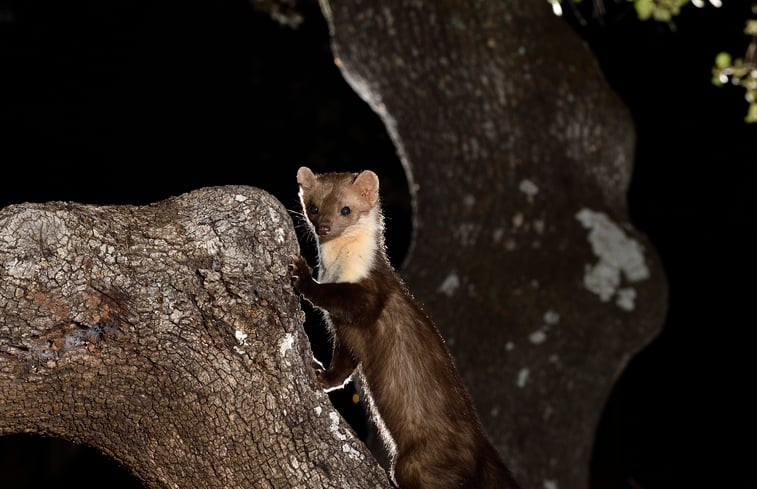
(520,157)
(168,336)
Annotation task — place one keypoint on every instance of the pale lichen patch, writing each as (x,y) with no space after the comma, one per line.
(280,235)
(529,188)
(538,337)
(20,268)
(286,344)
(518,220)
(450,285)
(619,257)
(550,484)
(522,378)
(176,316)
(626,298)
(334,427)
(275,216)
(551,317)
(351,452)
(241,337)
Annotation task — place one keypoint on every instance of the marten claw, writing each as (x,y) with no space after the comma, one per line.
(324,379)
(299,271)
(320,372)
(329,380)
(300,267)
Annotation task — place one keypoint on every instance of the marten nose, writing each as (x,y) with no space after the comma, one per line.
(323,230)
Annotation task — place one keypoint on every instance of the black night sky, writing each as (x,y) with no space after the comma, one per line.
(133,101)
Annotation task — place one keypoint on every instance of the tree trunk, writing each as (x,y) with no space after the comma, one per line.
(168,336)
(520,157)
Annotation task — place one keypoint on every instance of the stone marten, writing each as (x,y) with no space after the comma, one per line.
(413,391)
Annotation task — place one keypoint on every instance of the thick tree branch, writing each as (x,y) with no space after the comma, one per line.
(169,337)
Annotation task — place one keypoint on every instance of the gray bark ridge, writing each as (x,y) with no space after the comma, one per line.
(519,156)
(169,337)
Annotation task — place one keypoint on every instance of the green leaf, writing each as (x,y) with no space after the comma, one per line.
(644,8)
(751,115)
(751,27)
(723,60)
(662,15)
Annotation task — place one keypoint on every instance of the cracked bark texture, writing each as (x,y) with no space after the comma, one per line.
(168,336)
(519,156)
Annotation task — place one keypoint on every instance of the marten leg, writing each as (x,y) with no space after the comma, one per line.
(341,368)
(347,303)
(407,473)
(420,469)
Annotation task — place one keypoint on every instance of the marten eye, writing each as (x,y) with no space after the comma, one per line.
(313,209)
(345,211)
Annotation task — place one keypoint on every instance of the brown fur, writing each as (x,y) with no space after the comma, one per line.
(415,394)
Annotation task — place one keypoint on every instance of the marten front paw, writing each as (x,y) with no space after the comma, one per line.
(320,376)
(320,372)
(300,273)
(318,368)
(328,379)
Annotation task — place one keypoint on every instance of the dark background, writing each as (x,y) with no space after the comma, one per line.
(129,102)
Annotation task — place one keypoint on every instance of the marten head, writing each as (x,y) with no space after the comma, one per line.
(335,202)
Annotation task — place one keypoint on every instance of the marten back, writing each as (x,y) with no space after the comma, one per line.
(414,393)
(420,397)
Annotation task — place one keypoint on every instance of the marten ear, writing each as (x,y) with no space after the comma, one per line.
(367,185)
(305,178)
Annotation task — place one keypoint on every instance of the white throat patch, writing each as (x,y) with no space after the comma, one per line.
(350,257)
